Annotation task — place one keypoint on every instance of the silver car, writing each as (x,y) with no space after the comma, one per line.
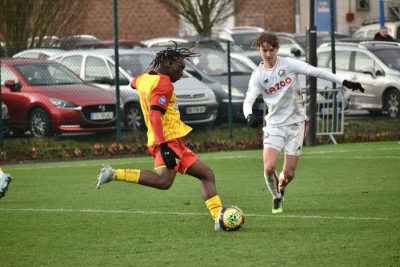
(197,102)
(376,65)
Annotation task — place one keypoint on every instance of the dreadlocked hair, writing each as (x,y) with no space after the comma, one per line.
(172,54)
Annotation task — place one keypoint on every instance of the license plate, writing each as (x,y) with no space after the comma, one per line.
(101,115)
(196,110)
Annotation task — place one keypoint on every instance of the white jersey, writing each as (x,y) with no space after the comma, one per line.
(280,91)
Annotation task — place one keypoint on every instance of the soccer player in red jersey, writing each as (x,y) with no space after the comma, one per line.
(165,131)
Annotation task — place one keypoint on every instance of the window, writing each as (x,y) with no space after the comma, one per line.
(342,60)
(323,59)
(96,68)
(362,62)
(6,75)
(73,63)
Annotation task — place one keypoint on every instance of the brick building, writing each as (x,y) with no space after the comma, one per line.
(144,19)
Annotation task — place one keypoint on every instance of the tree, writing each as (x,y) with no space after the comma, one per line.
(35,19)
(203,15)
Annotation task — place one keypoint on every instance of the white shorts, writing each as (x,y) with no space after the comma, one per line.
(288,137)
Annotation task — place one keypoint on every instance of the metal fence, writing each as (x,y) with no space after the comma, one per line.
(45,97)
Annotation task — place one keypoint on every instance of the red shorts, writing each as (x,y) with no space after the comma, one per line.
(187,156)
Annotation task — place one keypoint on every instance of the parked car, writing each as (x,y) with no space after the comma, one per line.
(163,41)
(40,53)
(376,65)
(74,41)
(197,102)
(47,98)
(97,66)
(44,42)
(245,37)
(122,44)
(368,31)
(213,65)
(221,44)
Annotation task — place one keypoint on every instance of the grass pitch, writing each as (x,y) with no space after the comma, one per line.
(341,210)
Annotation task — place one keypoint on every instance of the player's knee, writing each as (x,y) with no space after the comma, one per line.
(165,184)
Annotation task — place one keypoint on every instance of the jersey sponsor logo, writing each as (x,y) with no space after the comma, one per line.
(162,100)
(278,86)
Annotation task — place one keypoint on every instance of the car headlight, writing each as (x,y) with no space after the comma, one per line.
(235,92)
(210,94)
(63,104)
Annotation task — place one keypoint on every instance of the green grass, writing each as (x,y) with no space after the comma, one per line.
(341,210)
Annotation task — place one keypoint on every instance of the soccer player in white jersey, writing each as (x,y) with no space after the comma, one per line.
(276,80)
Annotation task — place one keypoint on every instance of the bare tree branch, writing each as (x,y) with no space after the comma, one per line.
(35,19)
(203,15)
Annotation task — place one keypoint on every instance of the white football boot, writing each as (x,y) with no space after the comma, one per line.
(106,175)
(5,180)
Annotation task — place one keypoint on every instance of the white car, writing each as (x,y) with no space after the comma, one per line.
(40,53)
(196,101)
(376,65)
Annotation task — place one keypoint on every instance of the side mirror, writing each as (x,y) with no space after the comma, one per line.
(12,85)
(123,81)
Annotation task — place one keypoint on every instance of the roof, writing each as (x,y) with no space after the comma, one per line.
(106,52)
(21,61)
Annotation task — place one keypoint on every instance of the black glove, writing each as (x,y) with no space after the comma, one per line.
(168,155)
(353,86)
(252,121)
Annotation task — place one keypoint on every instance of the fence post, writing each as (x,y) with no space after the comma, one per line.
(229,91)
(117,94)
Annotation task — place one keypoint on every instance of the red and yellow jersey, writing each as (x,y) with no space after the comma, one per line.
(156,89)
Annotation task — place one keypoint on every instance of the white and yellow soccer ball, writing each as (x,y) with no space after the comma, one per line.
(231,218)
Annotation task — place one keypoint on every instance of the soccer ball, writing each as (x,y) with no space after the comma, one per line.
(231,218)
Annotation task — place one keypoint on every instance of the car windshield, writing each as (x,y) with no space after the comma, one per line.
(47,74)
(389,56)
(135,64)
(216,64)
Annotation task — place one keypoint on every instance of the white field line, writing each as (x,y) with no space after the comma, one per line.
(190,214)
(149,160)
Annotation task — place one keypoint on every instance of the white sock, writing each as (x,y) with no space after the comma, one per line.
(281,179)
(272,184)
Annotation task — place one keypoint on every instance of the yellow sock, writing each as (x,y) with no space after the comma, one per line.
(127,175)
(214,205)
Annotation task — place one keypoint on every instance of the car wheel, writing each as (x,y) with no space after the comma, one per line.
(40,123)
(134,118)
(393,103)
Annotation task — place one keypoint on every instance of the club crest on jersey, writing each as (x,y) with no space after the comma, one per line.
(162,100)
(266,80)
(281,72)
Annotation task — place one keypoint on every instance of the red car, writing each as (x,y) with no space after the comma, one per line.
(46,98)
